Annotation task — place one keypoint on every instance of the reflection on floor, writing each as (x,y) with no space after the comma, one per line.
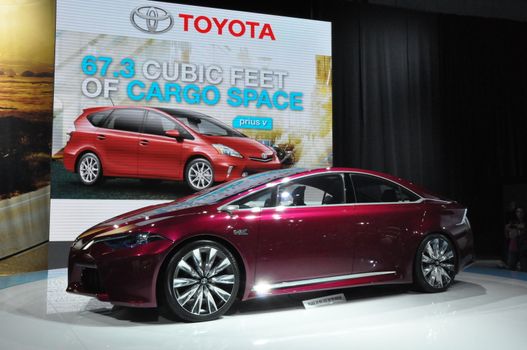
(34,259)
(479,312)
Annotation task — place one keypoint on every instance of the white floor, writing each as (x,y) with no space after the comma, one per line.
(478,312)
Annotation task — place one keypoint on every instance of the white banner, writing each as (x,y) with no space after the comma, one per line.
(268,77)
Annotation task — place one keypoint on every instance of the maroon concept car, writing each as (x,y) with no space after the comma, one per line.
(279,232)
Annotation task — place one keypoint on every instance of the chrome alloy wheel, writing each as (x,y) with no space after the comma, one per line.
(437,262)
(203,280)
(200,174)
(89,168)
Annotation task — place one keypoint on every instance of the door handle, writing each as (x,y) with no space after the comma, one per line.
(143,142)
(101,137)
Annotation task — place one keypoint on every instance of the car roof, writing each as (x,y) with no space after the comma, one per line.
(167,110)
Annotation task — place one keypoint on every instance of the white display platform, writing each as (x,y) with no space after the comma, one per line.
(478,312)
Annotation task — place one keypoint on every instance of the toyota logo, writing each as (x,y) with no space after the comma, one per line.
(151,19)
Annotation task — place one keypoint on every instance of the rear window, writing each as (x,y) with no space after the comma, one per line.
(97,119)
(371,189)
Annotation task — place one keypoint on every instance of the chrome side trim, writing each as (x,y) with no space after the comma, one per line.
(326,279)
(280,208)
(439,200)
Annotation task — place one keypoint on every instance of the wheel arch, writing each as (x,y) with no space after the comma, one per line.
(444,233)
(83,152)
(199,237)
(196,156)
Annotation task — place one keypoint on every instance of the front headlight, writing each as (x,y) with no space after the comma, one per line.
(222,149)
(126,241)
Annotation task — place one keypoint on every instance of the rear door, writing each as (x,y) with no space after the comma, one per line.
(117,142)
(307,234)
(385,216)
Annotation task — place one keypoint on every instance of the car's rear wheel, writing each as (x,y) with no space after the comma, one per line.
(435,264)
(199,174)
(201,281)
(89,169)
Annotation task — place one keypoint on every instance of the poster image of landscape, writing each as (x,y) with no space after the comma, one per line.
(27,33)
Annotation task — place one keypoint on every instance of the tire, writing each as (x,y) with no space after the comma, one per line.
(435,264)
(200,282)
(89,168)
(199,174)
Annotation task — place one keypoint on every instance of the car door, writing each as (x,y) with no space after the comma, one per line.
(307,233)
(160,156)
(117,142)
(385,214)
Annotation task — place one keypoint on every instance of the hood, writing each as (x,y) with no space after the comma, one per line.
(246,146)
(141,218)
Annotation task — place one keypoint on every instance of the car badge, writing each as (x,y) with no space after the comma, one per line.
(151,19)
(241,232)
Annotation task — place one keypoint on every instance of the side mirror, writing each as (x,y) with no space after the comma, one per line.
(230,209)
(173,133)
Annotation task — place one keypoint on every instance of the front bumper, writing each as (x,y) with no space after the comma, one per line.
(126,276)
(228,168)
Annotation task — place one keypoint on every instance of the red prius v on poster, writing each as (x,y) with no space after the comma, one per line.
(156,101)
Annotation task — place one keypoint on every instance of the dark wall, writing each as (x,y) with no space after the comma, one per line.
(438,99)
(484,85)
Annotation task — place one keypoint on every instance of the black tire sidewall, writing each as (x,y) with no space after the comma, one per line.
(99,176)
(170,301)
(419,279)
(187,169)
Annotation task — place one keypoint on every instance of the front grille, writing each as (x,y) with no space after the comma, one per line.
(91,281)
(270,158)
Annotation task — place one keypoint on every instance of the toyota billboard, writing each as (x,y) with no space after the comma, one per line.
(155,101)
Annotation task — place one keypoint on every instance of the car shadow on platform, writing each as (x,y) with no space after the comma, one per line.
(273,304)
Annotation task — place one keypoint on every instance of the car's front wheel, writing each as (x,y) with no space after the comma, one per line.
(89,169)
(201,281)
(199,174)
(435,264)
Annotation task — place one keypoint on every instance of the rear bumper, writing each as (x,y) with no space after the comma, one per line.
(465,243)
(69,160)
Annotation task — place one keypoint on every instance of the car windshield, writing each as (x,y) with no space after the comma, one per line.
(202,123)
(211,195)
(216,194)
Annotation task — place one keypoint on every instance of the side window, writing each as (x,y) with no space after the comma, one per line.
(312,191)
(157,124)
(262,199)
(371,189)
(98,118)
(125,119)
(204,126)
